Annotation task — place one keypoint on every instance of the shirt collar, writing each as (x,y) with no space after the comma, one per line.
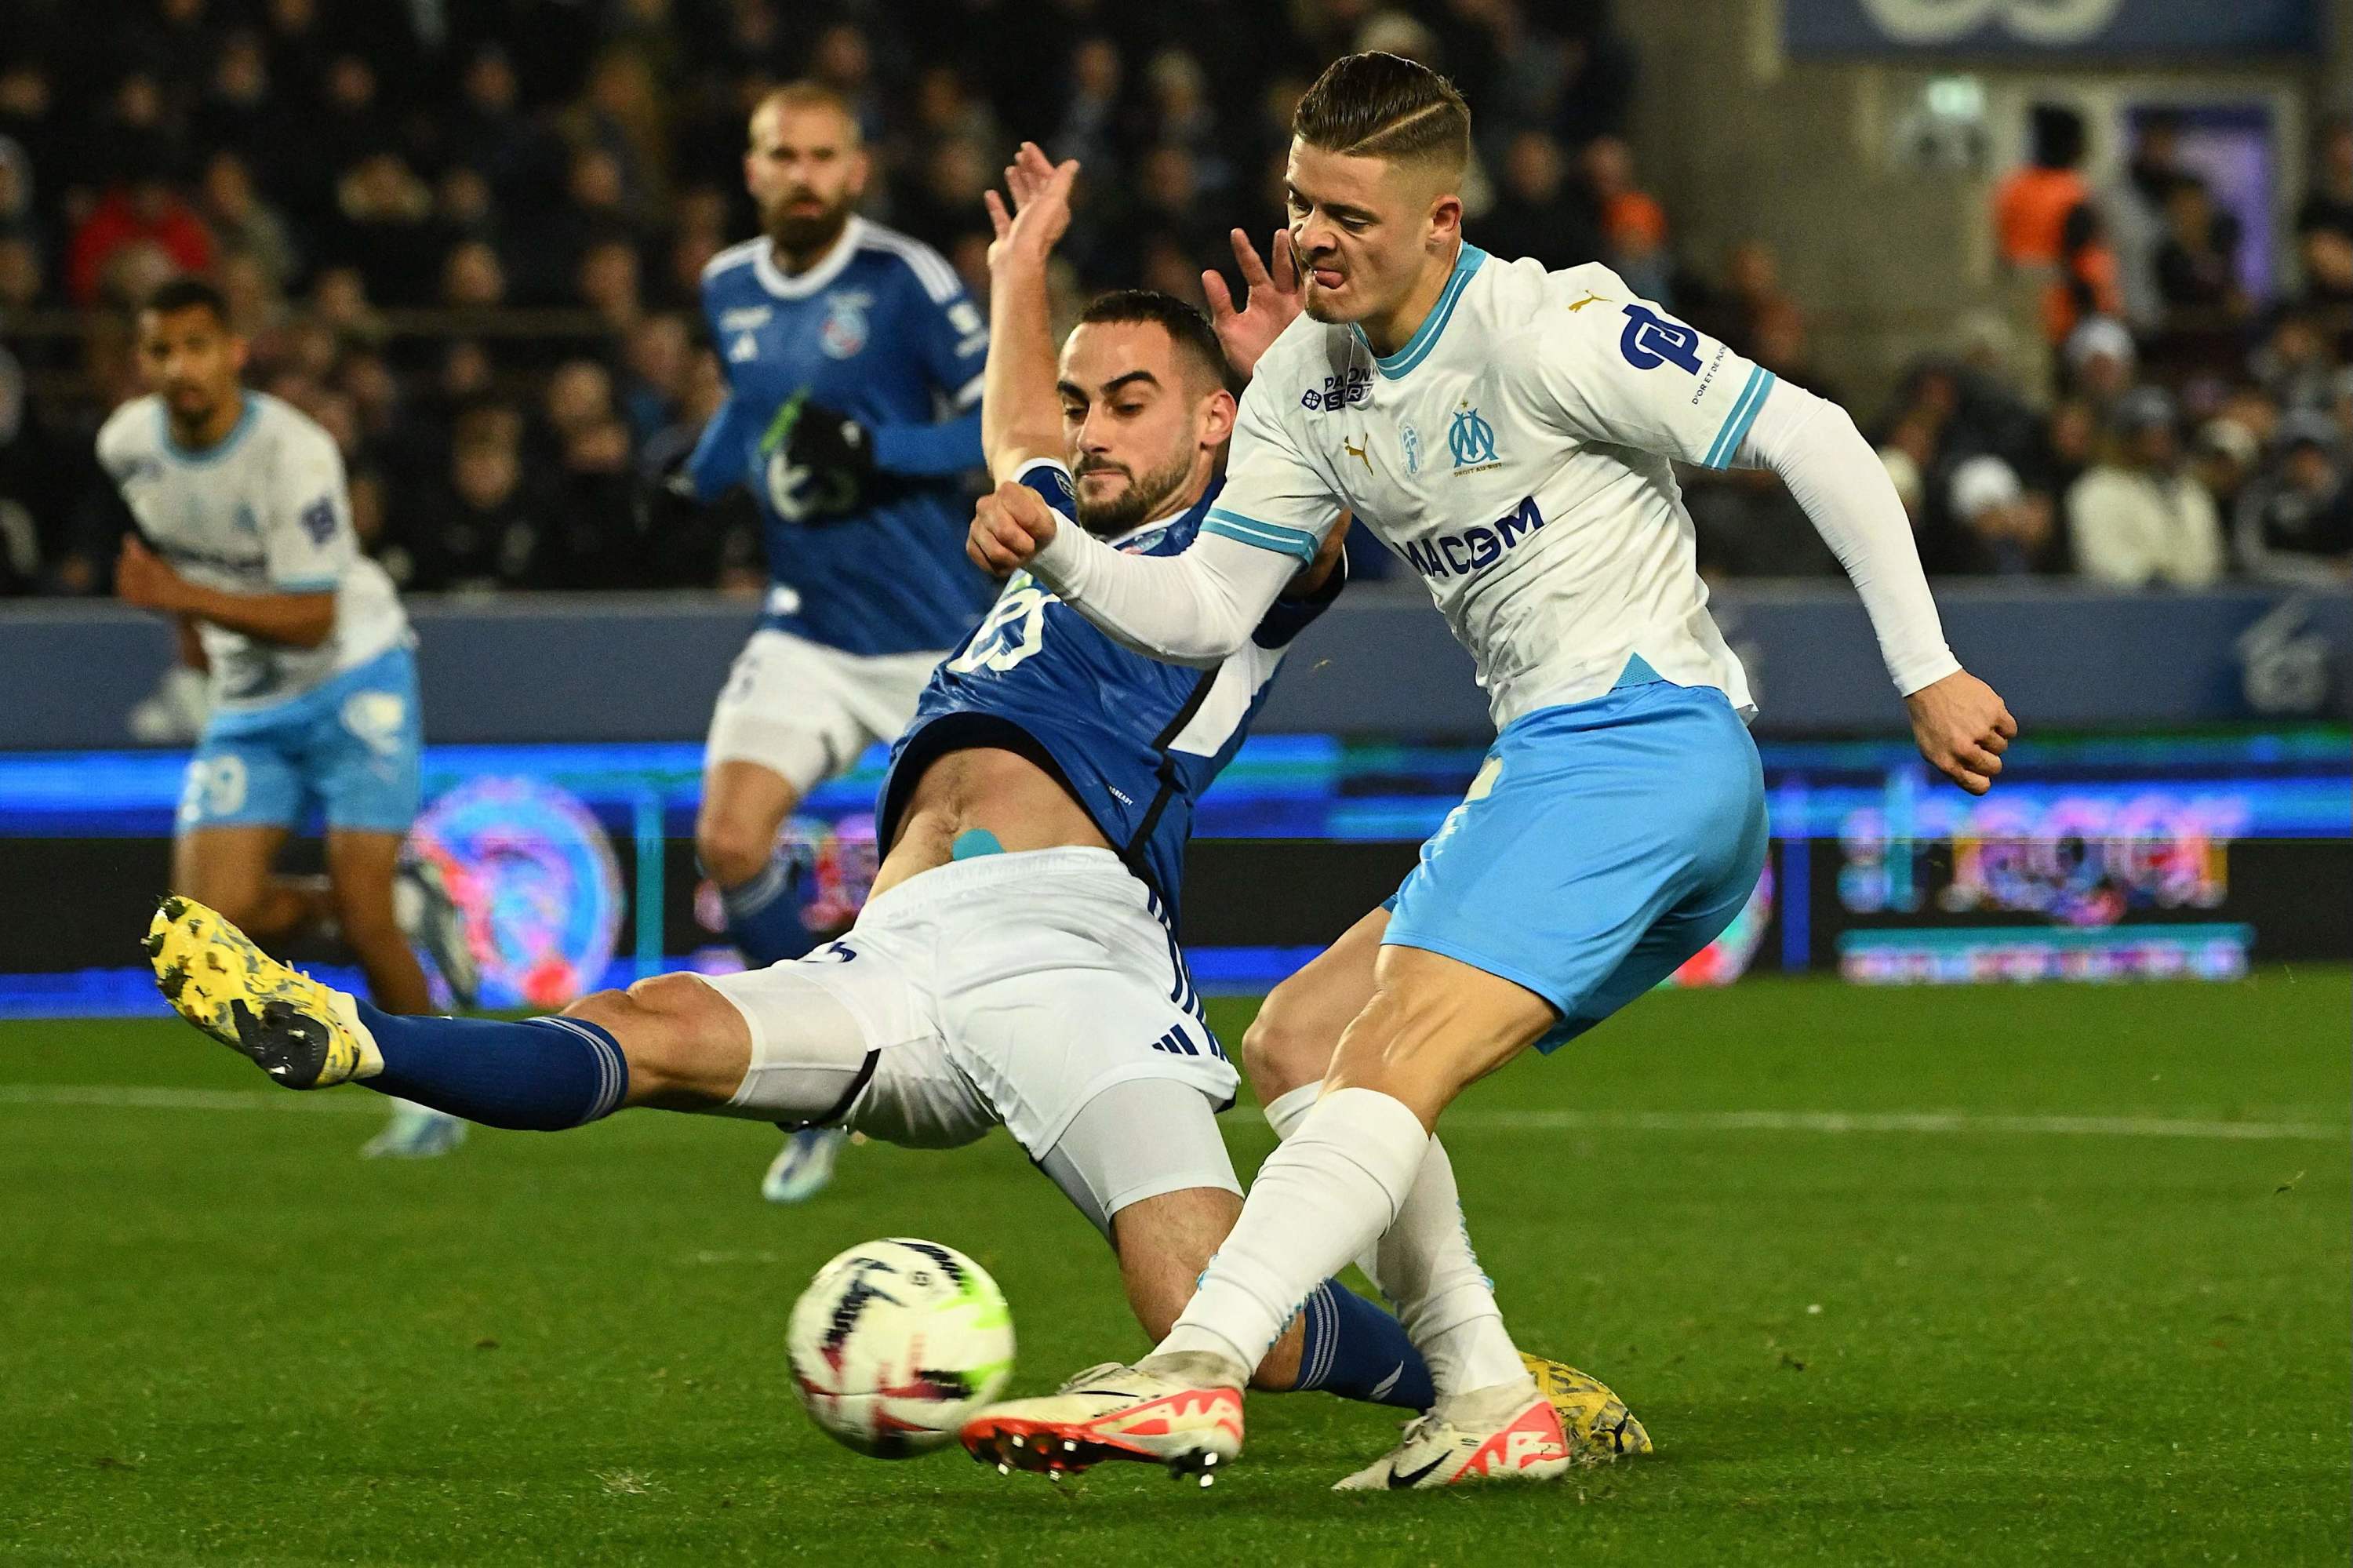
(801,285)
(1467,262)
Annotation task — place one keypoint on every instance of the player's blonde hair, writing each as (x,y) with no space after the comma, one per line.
(1379,105)
(809,94)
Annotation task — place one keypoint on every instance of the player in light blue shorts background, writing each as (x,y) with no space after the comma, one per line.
(245,543)
(1601,845)
(349,748)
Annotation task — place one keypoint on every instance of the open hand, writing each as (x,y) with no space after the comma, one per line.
(1272,301)
(1041,214)
(1008,528)
(1963,728)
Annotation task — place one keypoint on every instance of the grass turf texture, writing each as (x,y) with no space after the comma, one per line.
(223,1337)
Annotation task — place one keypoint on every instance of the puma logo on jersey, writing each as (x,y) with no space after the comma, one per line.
(1460,554)
(1357,452)
(1588,298)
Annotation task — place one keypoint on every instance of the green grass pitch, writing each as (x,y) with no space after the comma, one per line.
(2064,1278)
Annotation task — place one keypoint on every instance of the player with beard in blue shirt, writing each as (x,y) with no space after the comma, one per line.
(853,361)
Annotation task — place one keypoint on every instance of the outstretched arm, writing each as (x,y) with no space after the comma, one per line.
(1021,417)
(1834,475)
(1959,722)
(1618,369)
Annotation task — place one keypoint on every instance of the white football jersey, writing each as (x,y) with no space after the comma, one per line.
(266,511)
(1516,454)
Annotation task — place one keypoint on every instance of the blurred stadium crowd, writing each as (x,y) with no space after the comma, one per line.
(466,236)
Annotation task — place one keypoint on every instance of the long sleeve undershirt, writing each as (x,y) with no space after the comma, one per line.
(1839,480)
(1197,607)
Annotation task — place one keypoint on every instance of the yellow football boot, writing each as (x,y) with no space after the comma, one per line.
(303,1035)
(1599,1426)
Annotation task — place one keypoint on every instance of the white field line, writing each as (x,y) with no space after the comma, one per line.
(131,1097)
(1967,1122)
(136,1097)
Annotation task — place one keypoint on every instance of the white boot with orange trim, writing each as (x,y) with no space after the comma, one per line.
(1508,1434)
(1111,1412)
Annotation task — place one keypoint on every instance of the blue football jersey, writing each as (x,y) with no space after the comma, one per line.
(1135,740)
(881,330)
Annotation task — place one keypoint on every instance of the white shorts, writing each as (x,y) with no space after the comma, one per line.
(1009,989)
(806,711)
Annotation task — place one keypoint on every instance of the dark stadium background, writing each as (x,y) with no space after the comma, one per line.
(467,238)
(1893,1272)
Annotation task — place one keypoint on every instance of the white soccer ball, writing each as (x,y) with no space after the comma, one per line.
(896,1343)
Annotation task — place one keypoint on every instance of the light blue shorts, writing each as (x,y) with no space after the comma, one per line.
(1601,844)
(350,747)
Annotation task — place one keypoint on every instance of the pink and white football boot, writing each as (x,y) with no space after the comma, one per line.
(1453,1445)
(1114,1412)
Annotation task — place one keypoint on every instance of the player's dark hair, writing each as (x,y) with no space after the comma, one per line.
(1378,105)
(187,294)
(1186,327)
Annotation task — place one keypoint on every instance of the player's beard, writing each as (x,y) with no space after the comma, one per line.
(192,411)
(804,235)
(1140,502)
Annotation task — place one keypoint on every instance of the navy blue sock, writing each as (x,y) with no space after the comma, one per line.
(1357,1351)
(764,916)
(541,1074)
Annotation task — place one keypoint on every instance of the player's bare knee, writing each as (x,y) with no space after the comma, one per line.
(611,1011)
(1287,1044)
(675,1033)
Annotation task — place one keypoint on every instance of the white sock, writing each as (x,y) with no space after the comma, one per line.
(1319,1199)
(1424,1265)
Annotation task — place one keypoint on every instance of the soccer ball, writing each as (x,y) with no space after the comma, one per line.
(896,1343)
